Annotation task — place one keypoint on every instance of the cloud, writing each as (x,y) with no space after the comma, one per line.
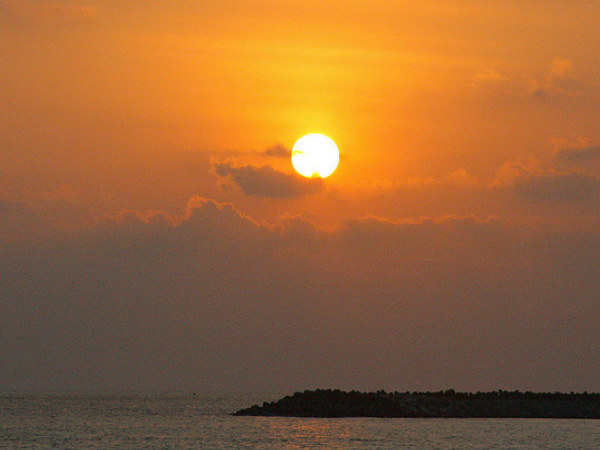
(512,172)
(210,299)
(578,156)
(265,181)
(557,80)
(19,221)
(278,151)
(32,212)
(568,187)
(545,182)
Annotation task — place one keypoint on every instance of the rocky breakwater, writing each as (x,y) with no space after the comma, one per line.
(509,404)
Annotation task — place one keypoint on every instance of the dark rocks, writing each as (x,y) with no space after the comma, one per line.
(336,403)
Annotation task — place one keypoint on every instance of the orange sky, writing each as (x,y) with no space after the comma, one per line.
(449,115)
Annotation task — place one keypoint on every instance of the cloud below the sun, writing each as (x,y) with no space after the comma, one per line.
(265,181)
(213,299)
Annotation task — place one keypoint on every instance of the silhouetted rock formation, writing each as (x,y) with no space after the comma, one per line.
(336,403)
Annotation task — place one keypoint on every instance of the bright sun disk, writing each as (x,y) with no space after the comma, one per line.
(315,155)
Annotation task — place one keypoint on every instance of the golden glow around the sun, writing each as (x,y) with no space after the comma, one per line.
(315,155)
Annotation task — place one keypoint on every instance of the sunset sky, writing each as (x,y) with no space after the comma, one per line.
(155,236)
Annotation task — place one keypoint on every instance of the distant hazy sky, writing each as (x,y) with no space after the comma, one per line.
(153,233)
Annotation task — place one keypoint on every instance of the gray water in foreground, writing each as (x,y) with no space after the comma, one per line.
(185,421)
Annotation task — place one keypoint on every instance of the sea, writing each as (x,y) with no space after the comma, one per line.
(204,421)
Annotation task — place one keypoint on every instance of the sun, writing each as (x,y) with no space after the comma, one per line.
(315,155)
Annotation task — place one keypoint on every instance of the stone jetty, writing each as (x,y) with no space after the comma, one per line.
(448,403)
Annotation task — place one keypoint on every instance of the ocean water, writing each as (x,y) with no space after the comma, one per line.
(186,421)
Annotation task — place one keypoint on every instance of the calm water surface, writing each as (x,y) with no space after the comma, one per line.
(181,421)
